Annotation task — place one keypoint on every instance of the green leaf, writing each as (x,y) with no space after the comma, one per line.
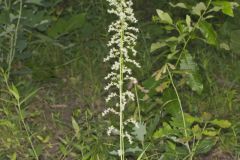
(210,133)
(172,105)
(63,26)
(205,146)
(180,5)
(164,131)
(6,123)
(199,8)
(188,22)
(191,119)
(226,7)
(140,131)
(14,91)
(164,17)
(158,45)
(197,131)
(193,78)
(221,123)
(171,145)
(13,156)
(208,32)
(76,127)
(38,20)
(195,83)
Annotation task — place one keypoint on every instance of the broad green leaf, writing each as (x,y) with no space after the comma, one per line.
(171,145)
(164,17)
(180,5)
(75,127)
(221,123)
(199,8)
(195,82)
(209,17)
(208,32)
(76,21)
(210,133)
(193,78)
(215,9)
(164,131)
(63,26)
(140,131)
(172,105)
(172,39)
(205,146)
(226,7)
(191,119)
(39,20)
(158,45)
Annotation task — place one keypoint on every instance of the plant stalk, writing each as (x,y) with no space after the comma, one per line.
(181,108)
(121,105)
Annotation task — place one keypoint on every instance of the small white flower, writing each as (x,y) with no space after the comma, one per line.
(120,152)
(129,94)
(129,137)
(133,121)
(110,96)
(105,112)
(110,130)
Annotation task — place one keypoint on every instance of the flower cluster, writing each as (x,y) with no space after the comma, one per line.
(121,54)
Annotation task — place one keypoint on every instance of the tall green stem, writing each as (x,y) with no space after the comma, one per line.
(121,78)
(181,108)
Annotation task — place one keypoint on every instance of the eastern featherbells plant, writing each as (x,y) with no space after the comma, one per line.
(121,55)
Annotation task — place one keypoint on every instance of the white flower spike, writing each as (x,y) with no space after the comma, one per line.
(121,54)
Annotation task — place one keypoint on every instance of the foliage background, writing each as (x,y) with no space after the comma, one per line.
(60,49)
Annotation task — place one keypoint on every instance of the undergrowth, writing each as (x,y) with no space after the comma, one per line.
(183,103)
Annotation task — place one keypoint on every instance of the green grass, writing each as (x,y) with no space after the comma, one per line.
(68,74)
